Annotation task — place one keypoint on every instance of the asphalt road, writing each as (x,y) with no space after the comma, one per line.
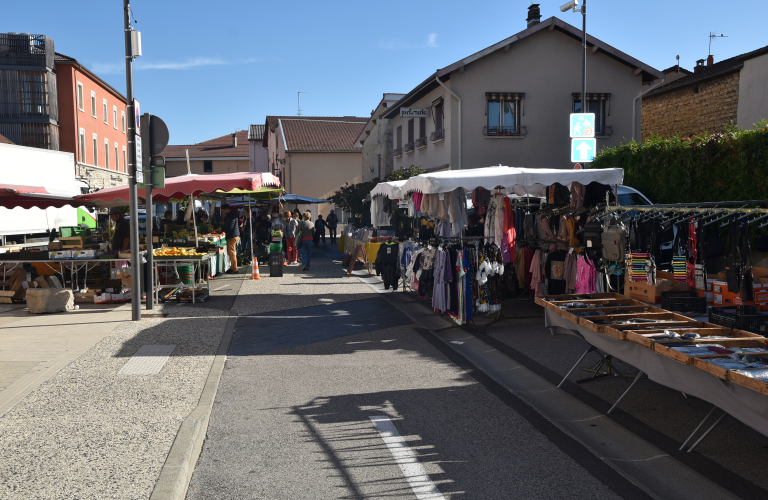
(295,423)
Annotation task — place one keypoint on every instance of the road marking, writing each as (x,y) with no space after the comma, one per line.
(417,477)
(148,360)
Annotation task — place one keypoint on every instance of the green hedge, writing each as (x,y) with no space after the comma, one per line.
(730,166)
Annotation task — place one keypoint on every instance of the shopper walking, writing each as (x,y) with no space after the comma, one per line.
(290,234)
(232,233)
(332,221)
(304,236)
(319,230)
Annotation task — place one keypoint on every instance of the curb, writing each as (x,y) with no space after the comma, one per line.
(176,473)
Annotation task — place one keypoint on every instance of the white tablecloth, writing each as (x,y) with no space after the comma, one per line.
(744,404)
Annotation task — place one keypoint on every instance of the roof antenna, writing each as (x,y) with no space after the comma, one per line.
(711,36)
(299,110)
(678,66)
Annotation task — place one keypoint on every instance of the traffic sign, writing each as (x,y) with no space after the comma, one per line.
(577,166)
(583,150)
(582,125)
(139,172)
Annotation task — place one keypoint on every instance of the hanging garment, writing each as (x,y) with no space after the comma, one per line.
(536,274)
(586,275)
(387,264)
(569,272)
(442,276)
(509,233)
(554,271)
(520,267)
(379,217)
(458,211)
(416,198)
(480,199)
(577,194)
(573,239)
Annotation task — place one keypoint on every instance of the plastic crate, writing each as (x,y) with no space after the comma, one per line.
(726,316)
(276,265)
(70,231)
(684,301)
(755,323)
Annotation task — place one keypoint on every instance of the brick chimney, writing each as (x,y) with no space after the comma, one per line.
(710,60)
(534,15)
(234,140)
(699,66)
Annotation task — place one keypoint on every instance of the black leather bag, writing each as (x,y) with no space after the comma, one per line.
(593,242)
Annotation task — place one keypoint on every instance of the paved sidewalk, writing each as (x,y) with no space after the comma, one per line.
(83,430)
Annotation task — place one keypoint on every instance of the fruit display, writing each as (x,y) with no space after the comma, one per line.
(177,252)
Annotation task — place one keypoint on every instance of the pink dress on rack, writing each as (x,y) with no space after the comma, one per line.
(416,197)
(586,275)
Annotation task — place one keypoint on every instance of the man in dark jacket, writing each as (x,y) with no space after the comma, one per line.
(232,232)
(331,222)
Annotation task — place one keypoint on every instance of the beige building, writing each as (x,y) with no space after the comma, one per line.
(510,103)
(714,95)
(375,141)
(314,156)
(223,155)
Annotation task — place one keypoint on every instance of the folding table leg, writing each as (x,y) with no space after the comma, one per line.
(639,374)
(705,434)
(698,427)
(590,349)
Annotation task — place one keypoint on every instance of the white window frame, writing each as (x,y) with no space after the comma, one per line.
(95,150)
(114,116)
(93,104)
(104,108)
(106,153)
(122,119)
(125,161)
(80,97)
(117,158)
(82,146)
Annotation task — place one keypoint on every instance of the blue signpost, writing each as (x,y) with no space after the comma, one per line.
(583,150)
(583,142)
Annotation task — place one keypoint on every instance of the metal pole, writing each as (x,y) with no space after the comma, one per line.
(150,264)
(584,59)
(133,198)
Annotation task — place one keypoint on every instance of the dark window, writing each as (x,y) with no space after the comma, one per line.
(422,128)
(207,166)
(410,130)
(503,113)
(399,137)
(599,104)
(438,109)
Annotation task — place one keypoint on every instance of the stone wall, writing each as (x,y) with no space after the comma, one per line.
(100,178)
(697,107)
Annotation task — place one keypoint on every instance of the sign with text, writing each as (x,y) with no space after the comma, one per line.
(582,125)
(414,112)
(583,150)
(139,171)
(137,112)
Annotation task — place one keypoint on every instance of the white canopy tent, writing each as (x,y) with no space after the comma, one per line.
(505,177)
(390,189)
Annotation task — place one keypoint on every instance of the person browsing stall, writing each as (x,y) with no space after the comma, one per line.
(121,240)
(304,235)
(232,232)
(331,222)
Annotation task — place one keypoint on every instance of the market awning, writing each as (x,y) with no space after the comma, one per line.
(196,185)
(303,200)
(13,195)
(390,189)
(506,177)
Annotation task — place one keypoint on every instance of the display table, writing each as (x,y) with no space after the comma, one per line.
(746,405)
(348,246)
(203,266)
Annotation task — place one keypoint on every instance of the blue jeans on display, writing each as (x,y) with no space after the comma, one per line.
(305,252)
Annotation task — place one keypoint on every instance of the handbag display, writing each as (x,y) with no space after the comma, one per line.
(614,239)
(700,277)
(593,242)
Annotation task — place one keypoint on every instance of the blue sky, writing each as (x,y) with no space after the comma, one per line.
(210,67)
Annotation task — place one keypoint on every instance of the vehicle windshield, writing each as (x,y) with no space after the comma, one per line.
(626,199)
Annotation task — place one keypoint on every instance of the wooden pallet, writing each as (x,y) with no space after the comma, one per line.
(665,315)
(748,382)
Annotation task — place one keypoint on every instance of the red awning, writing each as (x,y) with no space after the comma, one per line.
(13,195)
(185,185)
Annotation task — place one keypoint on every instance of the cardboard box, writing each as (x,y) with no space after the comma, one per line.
(54,245)
(41,282)
(652,293)
(84,254)
(60,254)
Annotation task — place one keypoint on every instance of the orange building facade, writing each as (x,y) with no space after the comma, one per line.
(92,124)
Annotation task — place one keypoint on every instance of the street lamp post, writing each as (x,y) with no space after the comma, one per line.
(573,5)
(133,199)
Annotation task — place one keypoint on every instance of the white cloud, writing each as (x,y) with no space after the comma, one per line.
(189,63)
(107,68)
(401,45)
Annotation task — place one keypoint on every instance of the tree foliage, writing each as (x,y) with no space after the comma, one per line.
(727,166)
(352,197)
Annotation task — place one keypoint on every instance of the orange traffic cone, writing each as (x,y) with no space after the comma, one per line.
(255,275)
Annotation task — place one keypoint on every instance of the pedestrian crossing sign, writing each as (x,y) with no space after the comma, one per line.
(582,125)
(583,150)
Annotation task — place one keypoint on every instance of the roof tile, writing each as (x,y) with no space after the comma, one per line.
(218,147)
(336,134)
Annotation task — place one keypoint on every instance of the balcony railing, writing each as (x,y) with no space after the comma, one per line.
(501,131)
(409,146)
(398,151)
(421,142)
(437,135)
